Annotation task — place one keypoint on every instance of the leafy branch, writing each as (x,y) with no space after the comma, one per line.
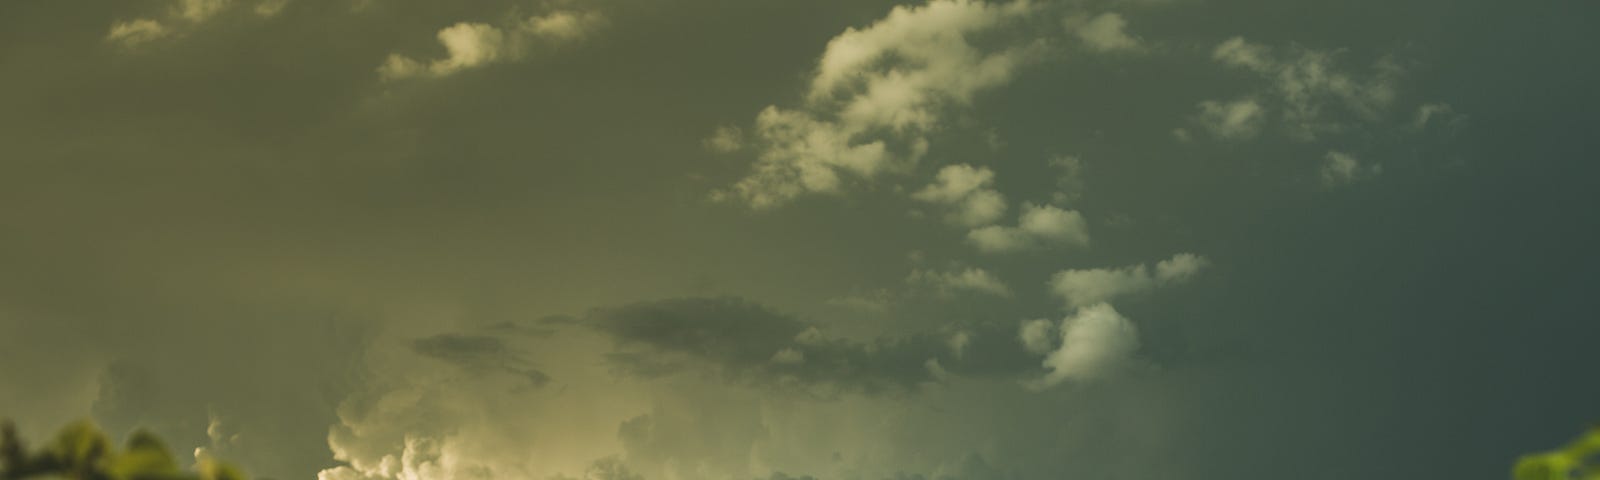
(1576,461)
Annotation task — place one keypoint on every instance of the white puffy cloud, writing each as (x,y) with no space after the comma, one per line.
(970,279)
(268,8)
(1038,226)
(470,45)
(134,32)
(562,24)
(1339,168)
(1180,268)
(1096,341)
(1036,336)
(876,95)
(1084,287)
(1310,94)
(467,45)
(1106,32)
(199,10)
(969,191)
(178,18)
(1236,120)
(1237,52)
(800,154)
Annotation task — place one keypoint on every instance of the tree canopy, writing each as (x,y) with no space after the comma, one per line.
(83,452)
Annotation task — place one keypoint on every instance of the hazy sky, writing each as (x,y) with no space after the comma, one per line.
(831,239)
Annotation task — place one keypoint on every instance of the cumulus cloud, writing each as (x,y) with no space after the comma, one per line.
(876,95)
(1038,226)
(1310,95)
(1096,341)
(971,279)
(969,192)
(198,10)
(1036,336)
(1339,169)
(1106,32)
(178,17)
(134,32)
(1236,120)
(471,45)
(1084,287)
(445,406)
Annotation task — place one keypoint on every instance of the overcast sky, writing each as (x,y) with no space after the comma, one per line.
(782,240)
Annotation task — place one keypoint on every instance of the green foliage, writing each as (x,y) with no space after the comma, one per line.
(82,452)
(1576,461)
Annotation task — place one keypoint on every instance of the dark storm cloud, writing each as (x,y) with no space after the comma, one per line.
(745,342)
(478,353)
(970,467)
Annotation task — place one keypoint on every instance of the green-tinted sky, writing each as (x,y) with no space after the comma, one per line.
(832,239)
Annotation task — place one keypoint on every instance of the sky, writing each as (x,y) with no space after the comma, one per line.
(784,240)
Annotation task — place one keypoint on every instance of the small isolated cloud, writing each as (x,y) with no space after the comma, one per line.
(471,45)
(564,25)
(135,32)
(1237,120)
(969,192)
(1084,287)
(727,139)
(1339,169)
(1436,113)
(877,94)
(1069,183)
(1106,32)
(199,10)
(1096,341)
(1038,226)
(969,280)
(789,356)
(268,8)
(1309,94)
